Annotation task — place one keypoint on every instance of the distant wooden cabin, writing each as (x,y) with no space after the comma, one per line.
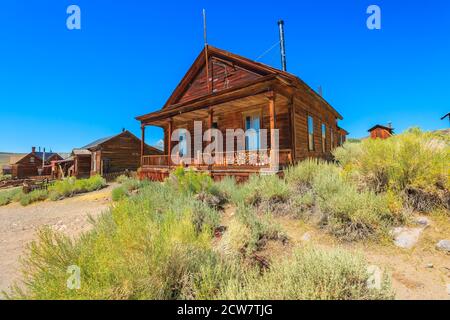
(30,164)
(342,136)
(227,91)
(381,132)
(104,156)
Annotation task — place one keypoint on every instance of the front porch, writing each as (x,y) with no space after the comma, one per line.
(266,112)
(239,164)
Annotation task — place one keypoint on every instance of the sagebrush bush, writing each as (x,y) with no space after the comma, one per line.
(119,193)
(414,165)
(261,228)
(152,246)
(190,181)
(4,177)
(34,196)
(310,274)
(344,210)
(6,197)
(72,186)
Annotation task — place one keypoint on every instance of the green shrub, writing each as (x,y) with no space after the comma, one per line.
(6,197)
(119,193)
(147,247)
(229,189)
(413,165)
(258,230)
(257,189)
(34,196)
(344,210)
(190,181)
(152,246)
(311,274)
(4,177)
(72,186)
(122,178)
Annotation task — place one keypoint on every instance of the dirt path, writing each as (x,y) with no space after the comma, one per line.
(18,226)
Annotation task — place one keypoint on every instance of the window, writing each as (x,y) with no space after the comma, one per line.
(324,137)
(332,138)
(310,133)
(252,128)
(31,159)
(183,143)
(94,161)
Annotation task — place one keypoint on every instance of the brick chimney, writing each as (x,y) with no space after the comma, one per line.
(33,149)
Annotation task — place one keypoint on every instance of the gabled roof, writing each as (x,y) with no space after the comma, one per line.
(264,71)
(447,115)
(97,143)
(40,155)
(381,127)
(343,130)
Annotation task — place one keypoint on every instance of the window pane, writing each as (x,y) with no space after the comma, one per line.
(310,133)
(324,137)
(252,127)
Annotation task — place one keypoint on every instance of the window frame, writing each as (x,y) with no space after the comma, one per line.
(252,113)
(310,133)
(324,137)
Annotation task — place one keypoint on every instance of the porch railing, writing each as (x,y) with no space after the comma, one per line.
(260,158)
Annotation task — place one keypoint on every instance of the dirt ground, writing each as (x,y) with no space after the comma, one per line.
(18,226)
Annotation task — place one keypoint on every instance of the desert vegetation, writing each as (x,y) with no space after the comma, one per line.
(59,190)
(4,177)
(178,240)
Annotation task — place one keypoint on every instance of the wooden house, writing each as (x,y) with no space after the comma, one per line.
(30,164)
(225,91)
(342,136)
(113,154)
(381,132)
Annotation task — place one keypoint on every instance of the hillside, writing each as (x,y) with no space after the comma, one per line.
(4,157)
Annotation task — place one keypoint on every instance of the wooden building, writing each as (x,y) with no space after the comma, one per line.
(227,91)
(342,136)
(30,164)
(381,132)
(104,156)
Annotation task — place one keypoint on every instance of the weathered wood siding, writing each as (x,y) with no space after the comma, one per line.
(304,106)
(120,153)
(380,133)
(222,75)
(235,119)
(27,166)
(82,164)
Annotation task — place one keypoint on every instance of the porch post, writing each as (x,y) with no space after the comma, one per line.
(292,128)
(273,147)
(210,125)
(142,143)
(169,142)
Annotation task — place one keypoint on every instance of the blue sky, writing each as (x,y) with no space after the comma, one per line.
(62,89)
